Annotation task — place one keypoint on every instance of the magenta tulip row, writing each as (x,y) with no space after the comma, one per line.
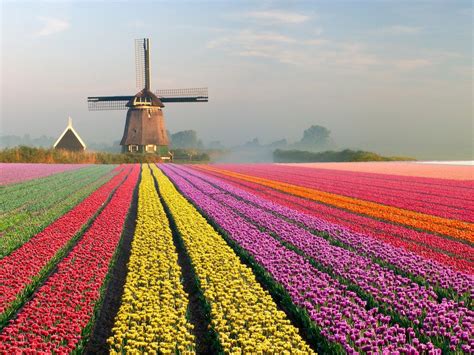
(339,313)
(14,173)
(442,206)
(431,186)
(450,252)
(434,273)
(54,319)
(396,293)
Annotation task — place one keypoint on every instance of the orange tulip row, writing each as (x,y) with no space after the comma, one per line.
(450,227)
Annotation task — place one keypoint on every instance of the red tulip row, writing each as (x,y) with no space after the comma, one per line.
(448,252)
(54,320)
(421,198)
(26,265)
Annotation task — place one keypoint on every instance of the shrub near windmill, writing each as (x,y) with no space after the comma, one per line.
(144,126)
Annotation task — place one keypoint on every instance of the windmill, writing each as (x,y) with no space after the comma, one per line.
(144,126)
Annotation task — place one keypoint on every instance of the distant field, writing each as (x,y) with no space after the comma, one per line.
(237,258)
(14,173)
(458,170)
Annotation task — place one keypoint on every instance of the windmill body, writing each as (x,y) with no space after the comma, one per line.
(145,129)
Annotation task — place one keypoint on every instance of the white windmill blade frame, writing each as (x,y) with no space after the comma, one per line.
(140,63)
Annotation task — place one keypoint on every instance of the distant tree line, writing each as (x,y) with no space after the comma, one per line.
(346,155)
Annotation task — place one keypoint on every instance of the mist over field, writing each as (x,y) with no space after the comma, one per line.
(389,77)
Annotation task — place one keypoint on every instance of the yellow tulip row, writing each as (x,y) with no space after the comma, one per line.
(152,315)
(243,314)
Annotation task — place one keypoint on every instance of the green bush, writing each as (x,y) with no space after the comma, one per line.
(346,155)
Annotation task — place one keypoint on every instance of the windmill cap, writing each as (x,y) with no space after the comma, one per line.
(155,101)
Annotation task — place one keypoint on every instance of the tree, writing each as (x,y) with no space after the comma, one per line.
(185,139)
(315,138)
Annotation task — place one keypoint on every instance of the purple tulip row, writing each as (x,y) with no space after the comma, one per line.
(339,313)
(442,206)
(14,173)
(399,294)
(431,271)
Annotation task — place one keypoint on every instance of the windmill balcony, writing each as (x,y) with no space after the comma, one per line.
(142,101)
(162,151)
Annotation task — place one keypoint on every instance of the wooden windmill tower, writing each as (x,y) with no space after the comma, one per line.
(145,126)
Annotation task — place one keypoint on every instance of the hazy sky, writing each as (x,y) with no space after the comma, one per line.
(389,76)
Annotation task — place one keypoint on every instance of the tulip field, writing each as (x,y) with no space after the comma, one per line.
(237,258)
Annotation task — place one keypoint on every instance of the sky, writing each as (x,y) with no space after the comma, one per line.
(393,77)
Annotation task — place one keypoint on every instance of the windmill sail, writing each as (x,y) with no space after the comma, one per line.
(142,63)
(183,95)
(103,103)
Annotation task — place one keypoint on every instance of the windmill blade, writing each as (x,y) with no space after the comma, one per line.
(103,103)
(183,95)
(142,63)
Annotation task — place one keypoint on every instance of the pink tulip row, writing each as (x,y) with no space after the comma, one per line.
(455,175)
(54,319)
(401,295)
(19,269)
(14,173)
(434,186)
(415,199)
(340,314)
(454,253)
(433,272)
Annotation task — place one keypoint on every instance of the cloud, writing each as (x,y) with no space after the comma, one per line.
(277,16)
(411,64)
(400,30)
(247,38)
(285,49)
(52,26)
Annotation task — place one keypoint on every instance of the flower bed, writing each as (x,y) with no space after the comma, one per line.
(339,314)
(18,172)
(242,313)
(450,252)
(34,259)
(454,228)
(396,295)
(55,319)
(152,315)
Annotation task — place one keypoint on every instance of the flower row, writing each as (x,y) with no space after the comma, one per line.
(339,314)
(152,315)
(408,172)
(435,274)
(55,319)
(449,252)
(15,173)
(454,228)
(431,186)
(45,206)
(24,265)
(398,294)
(244,316)
(28,195)
(419,199)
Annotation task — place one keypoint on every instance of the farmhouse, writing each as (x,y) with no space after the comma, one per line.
(70,139)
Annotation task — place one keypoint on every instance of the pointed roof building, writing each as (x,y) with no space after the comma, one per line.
(70,139)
